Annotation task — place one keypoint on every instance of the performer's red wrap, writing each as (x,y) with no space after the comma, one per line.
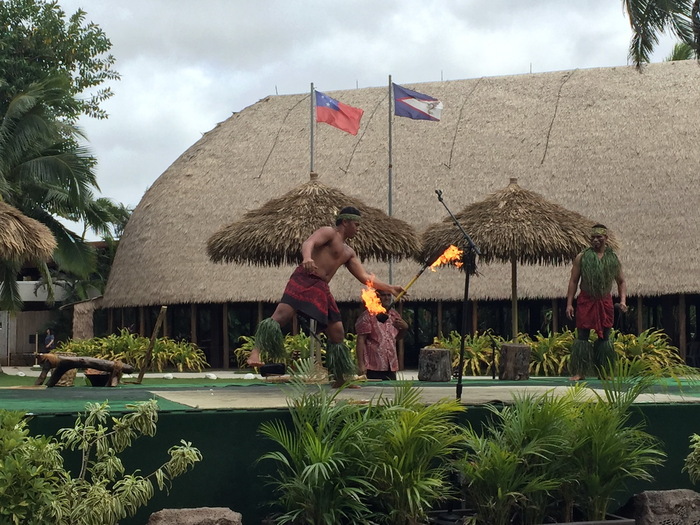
(310,295)
(594,314)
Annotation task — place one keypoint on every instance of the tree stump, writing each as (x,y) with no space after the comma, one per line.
(435,364)
(515,362)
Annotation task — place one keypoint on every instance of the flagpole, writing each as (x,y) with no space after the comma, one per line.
(314,347)
(311,121)
(390,174)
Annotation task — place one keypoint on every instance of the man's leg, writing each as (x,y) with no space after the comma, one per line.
(269,334)
(604,354)
(338,360)
(581,360)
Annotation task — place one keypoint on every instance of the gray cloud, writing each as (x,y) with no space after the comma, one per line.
(187,65)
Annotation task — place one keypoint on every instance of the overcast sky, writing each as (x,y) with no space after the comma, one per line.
(188,64)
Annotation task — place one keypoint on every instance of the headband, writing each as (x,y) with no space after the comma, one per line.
(349,217)
(599,231)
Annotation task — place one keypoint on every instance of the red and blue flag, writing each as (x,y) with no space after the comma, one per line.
(337,114)
(411,104)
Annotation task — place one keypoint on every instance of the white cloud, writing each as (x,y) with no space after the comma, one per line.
(188,65)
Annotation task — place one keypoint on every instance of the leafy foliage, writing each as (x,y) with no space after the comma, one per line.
(477,351)
(36,488)
(341,462)
(38,40)
(551,453)
(131,349)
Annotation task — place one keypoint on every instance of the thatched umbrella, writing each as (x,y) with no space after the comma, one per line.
(516,225)
(22,238)
(272,235)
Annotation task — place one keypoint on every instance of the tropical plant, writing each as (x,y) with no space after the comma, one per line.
(320,477)
(341,462)
(692,460)
(549,355)
(47,176)
(478,351)
(680,51)
(653,347)
(409,454)
(131,349)
(650,18)
(553,454)
(36,488)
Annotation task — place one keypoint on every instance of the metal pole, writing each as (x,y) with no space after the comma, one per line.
(390,173)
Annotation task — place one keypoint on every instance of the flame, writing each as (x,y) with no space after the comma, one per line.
(371,300)
(452,254)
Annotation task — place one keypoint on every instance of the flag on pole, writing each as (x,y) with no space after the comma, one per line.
(415,105)
(337,114)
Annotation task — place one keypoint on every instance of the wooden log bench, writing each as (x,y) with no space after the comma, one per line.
(62,364)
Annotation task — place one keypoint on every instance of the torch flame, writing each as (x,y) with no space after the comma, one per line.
(452,254)
(371,300)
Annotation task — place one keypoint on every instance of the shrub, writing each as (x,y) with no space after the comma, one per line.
(131,349)
(36,488)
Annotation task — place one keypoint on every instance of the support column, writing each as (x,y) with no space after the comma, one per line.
(439,318)
(224,338)
(640,315)
(682,327)
(142,321)
(475,317)
(555,316)
(193,323)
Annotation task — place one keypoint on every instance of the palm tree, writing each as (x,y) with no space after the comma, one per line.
(47,175)
(681,51)
(650,18)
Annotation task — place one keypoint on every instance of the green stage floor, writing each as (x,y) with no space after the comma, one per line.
(185,394)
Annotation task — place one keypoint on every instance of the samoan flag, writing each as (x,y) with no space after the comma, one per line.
(415,105)
(337,114)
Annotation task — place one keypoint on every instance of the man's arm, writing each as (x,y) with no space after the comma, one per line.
(355,267)
(573,285)
(400,324)
(622,290)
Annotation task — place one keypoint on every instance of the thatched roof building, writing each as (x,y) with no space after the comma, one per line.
(615,145)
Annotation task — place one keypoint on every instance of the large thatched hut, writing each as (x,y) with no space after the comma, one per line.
(612,144)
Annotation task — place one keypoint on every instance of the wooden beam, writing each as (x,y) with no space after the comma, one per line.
(682,327)
(193,323)
(555,315)
(475,317)
(225,342)
(640,315)
(439,318)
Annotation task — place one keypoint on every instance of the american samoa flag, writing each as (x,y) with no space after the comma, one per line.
(415,105)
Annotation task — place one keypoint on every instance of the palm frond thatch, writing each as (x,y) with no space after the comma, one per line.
(513,224)
(23,238)
(272,234)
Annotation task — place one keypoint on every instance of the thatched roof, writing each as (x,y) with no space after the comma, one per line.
(513,224)
(272,235)
(22,238)
(614,145)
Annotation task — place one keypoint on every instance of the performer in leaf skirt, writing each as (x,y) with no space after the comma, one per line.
(594,271)
(308,292)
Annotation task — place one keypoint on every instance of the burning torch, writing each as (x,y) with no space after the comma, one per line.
(374,305)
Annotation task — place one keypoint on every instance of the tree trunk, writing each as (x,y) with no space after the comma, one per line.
(515,362)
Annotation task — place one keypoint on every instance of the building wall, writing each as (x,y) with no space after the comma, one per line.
(18,336)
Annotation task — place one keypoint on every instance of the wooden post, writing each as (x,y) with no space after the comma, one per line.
(149,351)
(193,323)
(514,297)
(640,315)
(555,316)
(142,321)
(225,341)
(475,317)
(682,327)
(401,349)
(439,318)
